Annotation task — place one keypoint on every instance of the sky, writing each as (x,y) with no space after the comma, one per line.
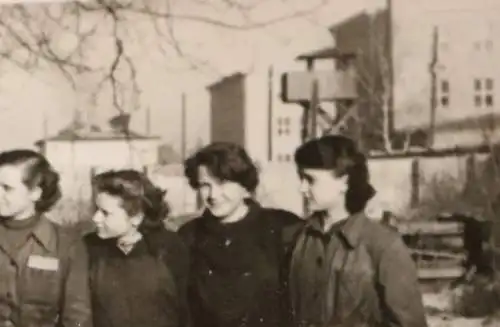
(32,106)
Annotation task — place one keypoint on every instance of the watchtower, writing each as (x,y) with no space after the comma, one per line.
(311,87)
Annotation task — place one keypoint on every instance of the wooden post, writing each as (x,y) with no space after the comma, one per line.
(183,126)
(270,117)
(92,188)
(434,92)
(415,183)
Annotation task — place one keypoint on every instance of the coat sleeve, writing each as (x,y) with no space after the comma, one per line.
(178,262)
(401,298)
(76,307)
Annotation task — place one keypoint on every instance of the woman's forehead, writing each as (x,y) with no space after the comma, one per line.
(315,171)
(11,175)
(106,200)
(205,175)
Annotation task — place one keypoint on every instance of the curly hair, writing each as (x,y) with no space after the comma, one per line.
(226,162)
(37,173)
(138,193)
(340,155)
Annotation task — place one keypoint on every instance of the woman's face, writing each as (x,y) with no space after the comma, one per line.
(16,199)
(111,219)
(222,198)
(322,189)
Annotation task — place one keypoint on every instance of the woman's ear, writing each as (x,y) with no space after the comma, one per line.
(36,194)
(343,184)
(136,220)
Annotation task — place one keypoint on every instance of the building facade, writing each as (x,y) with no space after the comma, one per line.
(367,35)
(446,71)
(246,109)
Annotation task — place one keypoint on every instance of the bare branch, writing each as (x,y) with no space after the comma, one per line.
(145,10)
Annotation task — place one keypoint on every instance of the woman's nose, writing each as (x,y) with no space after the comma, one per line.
(303,187)
(97,217)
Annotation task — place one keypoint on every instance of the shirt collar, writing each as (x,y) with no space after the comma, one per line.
(350,230)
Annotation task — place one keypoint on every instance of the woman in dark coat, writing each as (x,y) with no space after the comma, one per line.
(238,249)
(43,266)
(348,270)
(138,268)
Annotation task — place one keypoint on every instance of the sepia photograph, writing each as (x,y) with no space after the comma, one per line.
(249,163)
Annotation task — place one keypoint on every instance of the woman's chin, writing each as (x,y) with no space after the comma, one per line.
(104,235)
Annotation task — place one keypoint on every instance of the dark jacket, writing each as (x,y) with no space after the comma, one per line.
(45,282)
(361,274)
(146,287)
(238,272)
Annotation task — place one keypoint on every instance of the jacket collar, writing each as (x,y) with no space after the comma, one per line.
(44,233)
(351,229)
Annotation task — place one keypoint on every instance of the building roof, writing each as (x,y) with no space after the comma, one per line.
(94,133)
(225,79)
(326,53)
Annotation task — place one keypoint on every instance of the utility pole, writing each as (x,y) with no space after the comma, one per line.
(148,121)
(434,100)
(183,126)
(270,114)
(45,125)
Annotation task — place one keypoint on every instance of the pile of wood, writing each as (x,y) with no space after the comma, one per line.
(447,249)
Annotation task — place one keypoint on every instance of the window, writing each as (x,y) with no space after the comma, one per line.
(477,84)
(445,86)
(489,100)
(445,101)
(478,101)
(489,84)
(444,93)
(483,95)
(283,126)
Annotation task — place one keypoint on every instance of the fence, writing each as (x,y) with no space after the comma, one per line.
(410,187)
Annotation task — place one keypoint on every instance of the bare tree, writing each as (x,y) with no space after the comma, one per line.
(66,35)
(368,36)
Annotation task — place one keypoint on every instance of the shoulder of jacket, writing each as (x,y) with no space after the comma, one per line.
(281,217)
(91,239)
(67,234)
(187,230)
(379,237)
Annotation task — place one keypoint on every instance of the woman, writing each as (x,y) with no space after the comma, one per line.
(238,248)
(138,268)
(348,270)
(43,267)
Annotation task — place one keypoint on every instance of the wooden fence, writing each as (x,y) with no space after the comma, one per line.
(449,248)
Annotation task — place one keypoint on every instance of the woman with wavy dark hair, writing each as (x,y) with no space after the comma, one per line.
(43,266)
(347,270)
(138,267)
(239,249)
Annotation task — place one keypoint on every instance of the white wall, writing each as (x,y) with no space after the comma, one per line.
(102,153)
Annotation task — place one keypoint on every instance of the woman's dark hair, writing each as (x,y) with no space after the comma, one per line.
(226,162)
(37,173)
(340,155)
(138,194)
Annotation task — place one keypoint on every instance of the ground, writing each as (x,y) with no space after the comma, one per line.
(437,305)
